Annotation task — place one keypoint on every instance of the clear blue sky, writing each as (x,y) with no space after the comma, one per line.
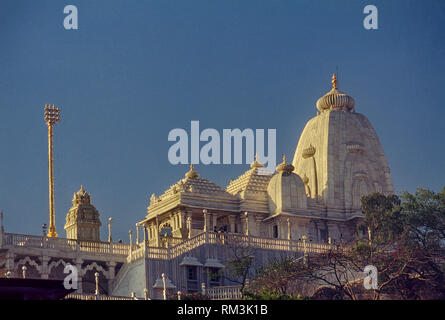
(136,69)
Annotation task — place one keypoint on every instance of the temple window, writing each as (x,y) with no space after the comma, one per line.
(192,279)
(214,276)
(191,273)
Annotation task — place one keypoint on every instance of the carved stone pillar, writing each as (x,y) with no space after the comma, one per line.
(158,243)
(232,221)
(181,219)
(137,233)
(182,223)
(189,226)
(206,220)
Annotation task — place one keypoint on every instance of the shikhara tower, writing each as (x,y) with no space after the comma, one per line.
(340,156)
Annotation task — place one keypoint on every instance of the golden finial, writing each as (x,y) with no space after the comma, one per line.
(256,163)
(284,166)
(334,81)
(192,173)
(81,188)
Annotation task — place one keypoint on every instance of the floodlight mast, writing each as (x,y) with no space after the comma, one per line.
(52,116)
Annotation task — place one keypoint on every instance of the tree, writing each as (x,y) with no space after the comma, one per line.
(403,237)
(239,265)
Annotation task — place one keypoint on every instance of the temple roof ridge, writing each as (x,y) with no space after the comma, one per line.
(192,184)
(255,179)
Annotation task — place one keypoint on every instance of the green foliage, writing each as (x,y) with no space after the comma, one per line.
(238,268)
(383,217)
(404,237)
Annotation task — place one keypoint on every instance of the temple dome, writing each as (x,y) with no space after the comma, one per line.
(83,219)
(335,99)
(286,190)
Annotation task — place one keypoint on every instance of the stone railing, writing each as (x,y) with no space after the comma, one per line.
(85,296)
(229,239)
(224,293)
(164,242)
(31,241)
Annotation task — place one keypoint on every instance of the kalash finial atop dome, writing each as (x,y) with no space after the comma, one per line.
(334,81)
(335,99)
(256,163)
(81,197)
(284,166)
(192,174)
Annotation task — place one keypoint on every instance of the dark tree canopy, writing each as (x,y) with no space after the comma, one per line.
(403,237)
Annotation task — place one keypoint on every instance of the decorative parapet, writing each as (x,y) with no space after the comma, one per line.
(227,238)
(84,296)
(31,241)
(224,293)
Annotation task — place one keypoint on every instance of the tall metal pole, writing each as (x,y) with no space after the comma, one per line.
(52,116)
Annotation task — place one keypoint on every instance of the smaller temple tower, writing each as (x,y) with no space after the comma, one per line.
(82,221)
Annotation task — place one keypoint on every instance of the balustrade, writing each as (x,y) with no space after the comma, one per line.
(21,240)
(175,248)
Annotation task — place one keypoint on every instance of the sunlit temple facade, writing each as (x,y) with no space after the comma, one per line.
(190,230)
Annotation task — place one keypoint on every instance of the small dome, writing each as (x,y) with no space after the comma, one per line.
(335,99)
(286,191)
(284,166)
